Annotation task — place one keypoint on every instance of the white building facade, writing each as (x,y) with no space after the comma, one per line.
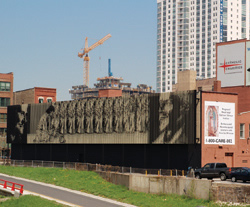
(187,32)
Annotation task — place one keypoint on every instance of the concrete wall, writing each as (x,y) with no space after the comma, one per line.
(116,178)
(200,189)
(231,193)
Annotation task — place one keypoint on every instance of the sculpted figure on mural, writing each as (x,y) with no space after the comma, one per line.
(139,113)
(55,118)
(90,115)
(147,112)
(118,115)
(80,115)
(49,126)
(21,121)
(63,118)
(71,117)
(43,130)
(98,115)
(132,111)
(144,113)
(126,114)
(108,115)
(164,108)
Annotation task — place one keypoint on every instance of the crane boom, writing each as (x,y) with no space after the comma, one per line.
(86,58)
(87,49)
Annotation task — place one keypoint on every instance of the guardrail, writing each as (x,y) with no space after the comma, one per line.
(93,167)
(12,186)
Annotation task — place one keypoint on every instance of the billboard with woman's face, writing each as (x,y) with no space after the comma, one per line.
(219,123)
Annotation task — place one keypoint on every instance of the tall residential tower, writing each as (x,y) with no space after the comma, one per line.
(187,31)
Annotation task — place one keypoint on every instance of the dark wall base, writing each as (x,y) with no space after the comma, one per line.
(158,156)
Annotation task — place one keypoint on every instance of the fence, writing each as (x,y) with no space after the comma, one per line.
(12,186)
(92,167)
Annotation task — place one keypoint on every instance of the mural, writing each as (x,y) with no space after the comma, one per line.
(142,119)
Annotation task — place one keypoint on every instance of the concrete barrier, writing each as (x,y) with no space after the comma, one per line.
(235,193)
(116,178)
(9,192)
(161,184)
(194,188)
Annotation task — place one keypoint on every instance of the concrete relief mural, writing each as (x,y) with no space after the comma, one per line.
(143,119)
(19,128)
(176,117)
(93,116)
(49,126)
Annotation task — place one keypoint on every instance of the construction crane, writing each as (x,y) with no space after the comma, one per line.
(86,57)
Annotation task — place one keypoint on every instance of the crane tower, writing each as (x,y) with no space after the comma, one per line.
(86,57)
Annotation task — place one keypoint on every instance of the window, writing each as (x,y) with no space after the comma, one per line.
(207,166)
(221,165)
(40,100)
(4,86)
(3,118)
(4,102)
(242,131)
(49,100)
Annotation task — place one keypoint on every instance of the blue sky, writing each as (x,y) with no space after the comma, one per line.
(40,39)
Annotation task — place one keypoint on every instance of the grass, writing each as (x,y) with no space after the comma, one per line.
(91,182)
(29,201)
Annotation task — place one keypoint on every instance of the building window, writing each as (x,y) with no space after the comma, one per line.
(3,118)
(40,100)
(242,131)
(49,100)
(4,102)
(4,86)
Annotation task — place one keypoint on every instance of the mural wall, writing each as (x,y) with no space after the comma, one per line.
(141,119)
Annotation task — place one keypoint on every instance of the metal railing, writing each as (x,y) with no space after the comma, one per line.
(12,186)
(92,167)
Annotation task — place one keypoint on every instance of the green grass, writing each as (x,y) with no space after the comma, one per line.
(29,201)
(91,182)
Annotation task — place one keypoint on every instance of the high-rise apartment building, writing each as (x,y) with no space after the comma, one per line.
(187,31)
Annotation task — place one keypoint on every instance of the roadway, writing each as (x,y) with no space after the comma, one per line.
(229,182)
(63,195)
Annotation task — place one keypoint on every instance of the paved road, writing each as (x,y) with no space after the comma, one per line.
(229,182)
(75,198)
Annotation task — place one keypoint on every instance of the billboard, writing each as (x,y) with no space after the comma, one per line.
(231,64)
(247,63)
(219,123)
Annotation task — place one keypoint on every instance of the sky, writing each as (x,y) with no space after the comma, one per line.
(40,40)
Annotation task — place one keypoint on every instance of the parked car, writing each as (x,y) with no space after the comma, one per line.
(214,170)
(240,174)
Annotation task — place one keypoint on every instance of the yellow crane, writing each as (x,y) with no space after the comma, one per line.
(86,57)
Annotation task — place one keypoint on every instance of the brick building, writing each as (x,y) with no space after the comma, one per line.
(231,141)
(35,95)
(6,99)
(229,92)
